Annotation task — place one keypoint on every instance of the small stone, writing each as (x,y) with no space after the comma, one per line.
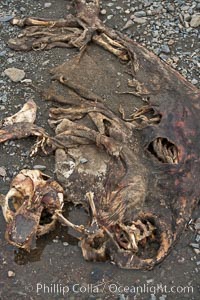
(137,20)
(171,42)
(186,24)
(185,8)
(197,239)
(55,241)
(187,17)
(128,24)
(195,21)
(2,172)
(198,263)
(10,54)
(196,251)
(153,297)
(11,274)
(181,260)
(155,33)
(164,57)
(149,12)
(22,9)
(2,53)
(26,81)
(39,167)
(195,245)
(175,59)
(165,49)
(15,74)
(150,280)
(127,11)
(163,297)
(122,297)
(118,84)
(45,62)
(83,160)
(10,60)
(194,81)
(156,51)
(170,8)
(147,3)
(65,244)
(184,72)
(109,17)
(47,5)
(140,14)
(103,11)
(6,18)
(110,4)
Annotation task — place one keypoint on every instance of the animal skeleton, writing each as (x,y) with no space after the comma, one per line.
(141,199)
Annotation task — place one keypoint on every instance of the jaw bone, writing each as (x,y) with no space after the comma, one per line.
(20,124)
(31,194)
(26,114)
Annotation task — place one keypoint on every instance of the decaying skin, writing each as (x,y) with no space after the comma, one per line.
(122,228)
(35,199)
(142,194)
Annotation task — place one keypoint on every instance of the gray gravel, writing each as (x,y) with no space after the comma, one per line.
(169,29)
